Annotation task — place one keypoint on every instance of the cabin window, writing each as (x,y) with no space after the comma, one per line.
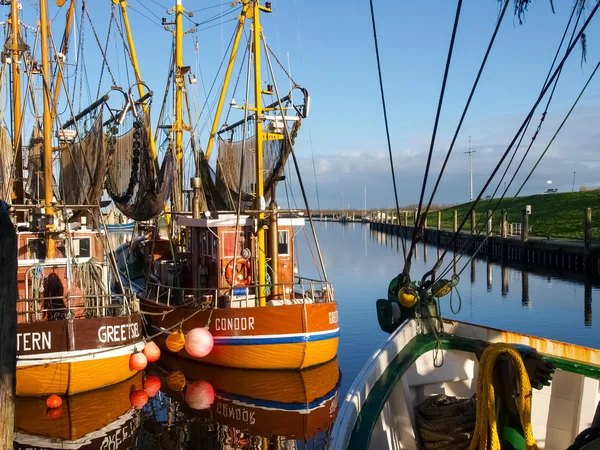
(204,244)
(36,248)
(82,247)
(283,247)
(229,239)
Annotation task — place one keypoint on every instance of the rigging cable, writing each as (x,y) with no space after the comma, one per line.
(512,143)
(387,128)
(466,108)
(468,241)
(419,223)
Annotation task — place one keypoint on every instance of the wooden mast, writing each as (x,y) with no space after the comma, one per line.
(179,86)
(16,89)
(63,49)
(259,136)
(47,132)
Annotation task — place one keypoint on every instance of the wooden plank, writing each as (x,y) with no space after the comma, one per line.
(8,326)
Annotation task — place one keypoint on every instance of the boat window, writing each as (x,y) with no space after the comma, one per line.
(229,243)
(81,247)
(36,248)
(204,244)
(283,247)
(214,246)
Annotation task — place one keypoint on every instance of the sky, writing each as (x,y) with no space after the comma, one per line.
(328,48)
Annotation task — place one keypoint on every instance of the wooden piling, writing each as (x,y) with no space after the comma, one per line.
(524,226)
(8,326)
(473,230)
(455,222)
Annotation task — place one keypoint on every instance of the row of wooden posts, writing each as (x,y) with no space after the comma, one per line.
(504,226)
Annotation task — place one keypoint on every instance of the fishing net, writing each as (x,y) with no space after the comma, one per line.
(35,166)
(229,163)
(83,167)
(137,191)
(5,164)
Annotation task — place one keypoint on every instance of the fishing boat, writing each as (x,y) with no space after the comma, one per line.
(73,334)
(86,421)
(228,264)
(254,405)
(444,384)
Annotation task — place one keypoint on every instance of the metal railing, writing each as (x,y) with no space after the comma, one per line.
(109,305)
(303,290)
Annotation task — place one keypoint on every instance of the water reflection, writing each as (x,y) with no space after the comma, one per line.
(235,409)
(101,419)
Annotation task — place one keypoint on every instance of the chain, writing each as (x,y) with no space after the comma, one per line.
(138,133)
(280,65)
(99,45)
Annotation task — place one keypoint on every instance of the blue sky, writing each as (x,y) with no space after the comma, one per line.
(331,52)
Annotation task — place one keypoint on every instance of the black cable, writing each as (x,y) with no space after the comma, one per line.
(419,221)
(482,219)
(149,10)
(385,119)
(145,16)
(464,113)
(210,7)
(537,102)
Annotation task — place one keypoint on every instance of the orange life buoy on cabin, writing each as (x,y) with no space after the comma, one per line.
(241,265)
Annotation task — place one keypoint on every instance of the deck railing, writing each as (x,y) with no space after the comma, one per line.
(31,310)
(303,290)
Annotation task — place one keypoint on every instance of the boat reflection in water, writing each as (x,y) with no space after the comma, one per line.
(242,409)
(102,419)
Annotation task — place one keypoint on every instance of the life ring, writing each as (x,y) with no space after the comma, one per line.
(240,264)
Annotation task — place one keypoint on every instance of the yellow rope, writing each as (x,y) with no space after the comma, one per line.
(486,431)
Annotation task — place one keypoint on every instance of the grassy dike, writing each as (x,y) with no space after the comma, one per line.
(552,215)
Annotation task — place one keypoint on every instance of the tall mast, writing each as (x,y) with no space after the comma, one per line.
(63,49)
(179,85)
(47,125)
(260,199)
(17,140)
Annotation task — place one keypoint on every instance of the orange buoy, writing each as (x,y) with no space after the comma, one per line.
(199,342)
(138,399)
(138,361)
(54,401)
(176,381)
(200,395)
(152,385)
(175,341)
(54,413)
(151,351)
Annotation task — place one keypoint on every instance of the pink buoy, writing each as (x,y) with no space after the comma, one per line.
(199,395)
(199,342)
(138,361)
(151,351)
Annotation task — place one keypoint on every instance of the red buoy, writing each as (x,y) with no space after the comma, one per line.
(152,385)
(138,361)
(200,395)
(151,351)
(199,342)
(54,413)
(138,399)
(54,401)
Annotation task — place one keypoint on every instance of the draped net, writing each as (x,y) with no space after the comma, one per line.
(6,157)
(131,180)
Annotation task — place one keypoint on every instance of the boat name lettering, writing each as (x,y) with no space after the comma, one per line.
(114,439)
(235,323)
(117,333)
(241,414)
(333,317)
(34,341)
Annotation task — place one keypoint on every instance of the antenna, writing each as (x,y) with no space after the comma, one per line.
(470,169)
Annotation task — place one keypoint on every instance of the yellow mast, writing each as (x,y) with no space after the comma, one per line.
(47,129)
(260,199)
(179,85)
(63,49)
(17,141)
(234,49)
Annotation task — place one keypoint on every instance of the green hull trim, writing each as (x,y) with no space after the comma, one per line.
(418,346)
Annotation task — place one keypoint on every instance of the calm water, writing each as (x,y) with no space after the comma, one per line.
(253,409)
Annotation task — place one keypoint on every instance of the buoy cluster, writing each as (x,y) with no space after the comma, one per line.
(198,342)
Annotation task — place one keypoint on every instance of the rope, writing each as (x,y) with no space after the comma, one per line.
(486,431)
(446,423)
(387,128)
(99,44)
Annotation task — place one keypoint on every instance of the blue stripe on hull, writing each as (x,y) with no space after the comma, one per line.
(266,340)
